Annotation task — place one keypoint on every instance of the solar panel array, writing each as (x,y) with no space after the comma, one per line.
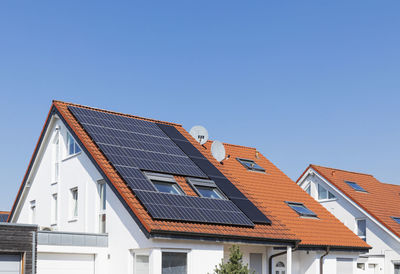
(133,146)
(229,189)
(188,208)
(3,218)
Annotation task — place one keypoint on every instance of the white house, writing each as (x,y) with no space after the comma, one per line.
(116,193)
(365,205)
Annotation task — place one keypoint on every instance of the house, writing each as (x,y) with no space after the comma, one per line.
(117,193)
(366,206)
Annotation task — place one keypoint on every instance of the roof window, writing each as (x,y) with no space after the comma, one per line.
(301,209)
(397,219)
(206,188)
(355,186)
(164,183)
(250,165)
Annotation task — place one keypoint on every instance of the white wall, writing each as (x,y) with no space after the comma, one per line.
(383,244)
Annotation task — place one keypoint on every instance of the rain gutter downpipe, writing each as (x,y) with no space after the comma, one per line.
(276,255)
(321,260)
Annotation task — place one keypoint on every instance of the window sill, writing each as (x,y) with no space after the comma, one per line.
(71,156)
(327,200)
(73,220)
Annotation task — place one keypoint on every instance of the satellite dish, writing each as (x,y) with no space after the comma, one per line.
(200,133)
(218,151)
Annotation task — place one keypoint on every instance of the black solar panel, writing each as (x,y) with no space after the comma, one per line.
(195,209)
(134,143)
(3,218)
(214,174)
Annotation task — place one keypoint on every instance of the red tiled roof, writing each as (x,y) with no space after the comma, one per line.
(268,191)
(382,201)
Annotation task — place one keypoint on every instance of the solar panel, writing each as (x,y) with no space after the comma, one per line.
(134,143)
(134,146)
(229,189)
(3,218)
(194,209)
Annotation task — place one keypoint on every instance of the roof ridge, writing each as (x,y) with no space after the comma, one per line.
(233,145)
(116,113)
(338,169)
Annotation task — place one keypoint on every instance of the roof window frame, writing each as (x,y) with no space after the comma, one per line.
(164,178)
(241,160)
(351,183)
(303,215)
(193,182)
(396,219)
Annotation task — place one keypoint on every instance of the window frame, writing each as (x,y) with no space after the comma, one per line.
(351,184)
(313,215)
(164,178)
(363,237)
(74,204)
(327,194)
(56,156)
(75,146)
(102,206)
(134,253)
(194,182)
(396,219)
(54,209)
(242,160)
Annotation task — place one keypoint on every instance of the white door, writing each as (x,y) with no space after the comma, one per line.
(62,263)
(10,264)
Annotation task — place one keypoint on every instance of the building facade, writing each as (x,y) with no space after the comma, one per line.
(368,207)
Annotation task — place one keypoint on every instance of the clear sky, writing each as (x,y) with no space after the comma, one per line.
(303,81)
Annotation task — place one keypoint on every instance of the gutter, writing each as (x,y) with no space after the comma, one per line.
(276,255)
(321,260)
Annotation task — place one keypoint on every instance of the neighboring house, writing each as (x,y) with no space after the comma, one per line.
(17,248)
(117,193)
(4,216)
(367,206)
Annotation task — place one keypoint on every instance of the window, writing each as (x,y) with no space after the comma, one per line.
(397,219)
(56,153)
(256,262)
(33,212)
(174,263)
(324,194)
(206,188)
(361,266)
(164,183)
(54,209)
(74,203)
(308,189)
(102,206)
(397,269)
(140,264)
(301,209)
(250,165)
(72,146)
(362,229)
(355,186)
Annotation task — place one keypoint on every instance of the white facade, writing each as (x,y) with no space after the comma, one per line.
(62,194)
(385,252)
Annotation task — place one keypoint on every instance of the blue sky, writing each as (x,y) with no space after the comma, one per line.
(303,81)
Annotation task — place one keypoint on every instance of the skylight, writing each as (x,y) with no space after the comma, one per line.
(397,219)
(355,186)
(301,209)
(164,183)
(206,188)
(250,165)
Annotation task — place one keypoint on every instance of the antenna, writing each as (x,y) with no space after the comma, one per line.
(200,133)
(218,151)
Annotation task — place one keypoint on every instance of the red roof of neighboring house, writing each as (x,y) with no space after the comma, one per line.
(267,191)
(381,201)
